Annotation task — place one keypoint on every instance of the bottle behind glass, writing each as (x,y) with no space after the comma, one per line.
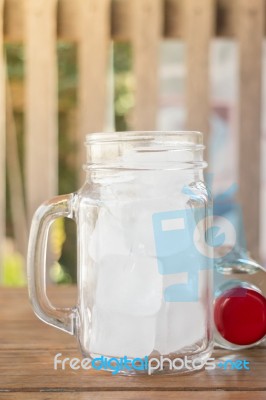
(240,302)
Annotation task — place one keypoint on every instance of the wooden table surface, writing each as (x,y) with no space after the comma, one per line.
(28,347)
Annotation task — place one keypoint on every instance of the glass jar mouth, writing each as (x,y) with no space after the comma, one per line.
(145,150)
(179,139)
(117,167)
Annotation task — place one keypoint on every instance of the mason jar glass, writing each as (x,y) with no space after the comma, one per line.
(144,253)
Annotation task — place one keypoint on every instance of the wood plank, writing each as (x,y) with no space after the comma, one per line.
(146,33)
(28,348)
(33,370)
(250,37)
(225,18)
(94,41)
(68,24)
(18,301)
(173,19)
(199,27)
(36,335)
(2,143)
(121,20)
(127,395)
(14,20)
(67,20)
(41,102)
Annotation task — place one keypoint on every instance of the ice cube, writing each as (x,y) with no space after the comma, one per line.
(123,227)
(182,324)
(129,285)
(136,220)
(179,325)
(118,335)
(108,236)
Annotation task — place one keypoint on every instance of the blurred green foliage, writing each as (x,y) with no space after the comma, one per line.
(67,75)
(15,61)
(13,269)
(124,98)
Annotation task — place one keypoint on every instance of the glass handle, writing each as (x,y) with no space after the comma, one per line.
(61,318)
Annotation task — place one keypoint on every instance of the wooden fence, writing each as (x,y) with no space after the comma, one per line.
(39,24)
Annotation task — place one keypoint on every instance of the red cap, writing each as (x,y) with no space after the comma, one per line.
(240,316)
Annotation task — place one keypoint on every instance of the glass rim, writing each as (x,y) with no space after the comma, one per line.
(116,167)
(193,138)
